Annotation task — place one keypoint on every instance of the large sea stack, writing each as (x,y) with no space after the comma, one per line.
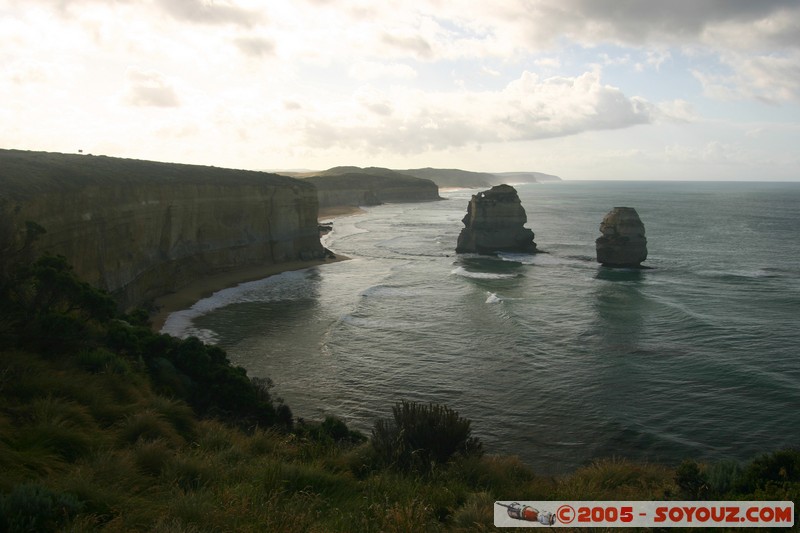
(494,223)
(623,243)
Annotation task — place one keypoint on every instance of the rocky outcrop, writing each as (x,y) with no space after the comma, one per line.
(494,223)
(141,229)
(623,243)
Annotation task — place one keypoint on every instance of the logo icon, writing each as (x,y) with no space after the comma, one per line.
(528,513)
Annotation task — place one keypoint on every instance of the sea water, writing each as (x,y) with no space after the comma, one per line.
(551,356)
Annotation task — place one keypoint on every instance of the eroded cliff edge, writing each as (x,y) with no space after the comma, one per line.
(141,229)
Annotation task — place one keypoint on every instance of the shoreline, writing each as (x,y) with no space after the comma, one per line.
(187,296)
(327,213)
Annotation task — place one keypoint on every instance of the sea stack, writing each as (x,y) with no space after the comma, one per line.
(494,223)
(623,243)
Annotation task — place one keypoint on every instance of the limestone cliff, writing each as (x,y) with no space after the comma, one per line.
(494,223)
(140,229)
(623,243)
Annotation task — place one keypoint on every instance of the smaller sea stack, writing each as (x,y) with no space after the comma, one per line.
(623,243)
(494,223)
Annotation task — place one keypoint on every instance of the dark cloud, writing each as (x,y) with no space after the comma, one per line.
(209,12)
(636,21)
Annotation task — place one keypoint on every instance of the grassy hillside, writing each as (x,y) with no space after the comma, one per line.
(105,425)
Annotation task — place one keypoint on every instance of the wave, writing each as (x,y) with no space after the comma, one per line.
(759,273)
(463,272)
(283,285)
(384,324)
(388,291)
(542,259)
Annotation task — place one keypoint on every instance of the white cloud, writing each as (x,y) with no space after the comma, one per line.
(145,88)
(210,12)
(773,79)
(373,70)
(255,46)
(548,62)
(528,108)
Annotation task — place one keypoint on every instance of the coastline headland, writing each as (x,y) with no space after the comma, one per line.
(143,229)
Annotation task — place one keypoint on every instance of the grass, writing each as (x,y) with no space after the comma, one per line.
(159,468)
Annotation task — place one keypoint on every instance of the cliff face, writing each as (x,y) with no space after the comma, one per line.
(141,229)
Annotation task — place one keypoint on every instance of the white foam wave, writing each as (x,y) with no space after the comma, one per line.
(463,272)
(536,259)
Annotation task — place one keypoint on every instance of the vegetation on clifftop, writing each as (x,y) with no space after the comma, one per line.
(105,425)
(27,173)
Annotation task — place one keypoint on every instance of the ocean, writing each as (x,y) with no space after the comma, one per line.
(551,356)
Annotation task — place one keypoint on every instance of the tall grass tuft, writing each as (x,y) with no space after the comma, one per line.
(152,457)
(147,425)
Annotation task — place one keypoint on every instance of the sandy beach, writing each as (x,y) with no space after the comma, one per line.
(202,288)
(208,285)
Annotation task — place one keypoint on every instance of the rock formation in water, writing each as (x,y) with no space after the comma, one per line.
(494,223)
(623,243)
(141,229)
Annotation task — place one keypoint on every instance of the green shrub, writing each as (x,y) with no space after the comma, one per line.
(420,437)
(31,507)
(723,477)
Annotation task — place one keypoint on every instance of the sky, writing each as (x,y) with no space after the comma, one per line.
(583,89)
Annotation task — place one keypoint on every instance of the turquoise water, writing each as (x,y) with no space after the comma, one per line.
(552,357)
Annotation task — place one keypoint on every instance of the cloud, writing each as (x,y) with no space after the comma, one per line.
(412,121)
(408,43)
(255,46)
(144,88)
(548,62)
(210,12)
(772,79)
(373,70)
(636,22)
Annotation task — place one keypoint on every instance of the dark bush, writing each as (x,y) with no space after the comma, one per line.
(419,437)
(781,467)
